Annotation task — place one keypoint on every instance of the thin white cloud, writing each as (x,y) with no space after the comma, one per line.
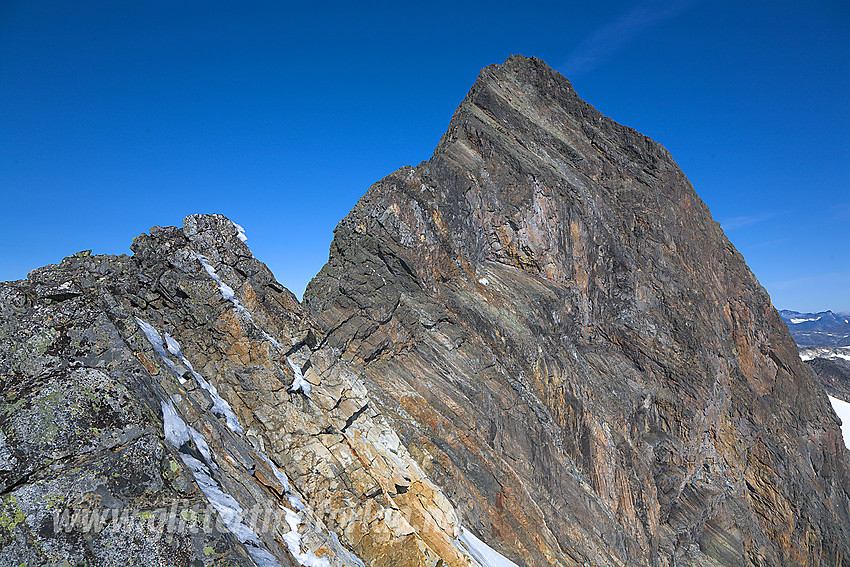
(747,220)
(834,277)
(769,243)
(613,36)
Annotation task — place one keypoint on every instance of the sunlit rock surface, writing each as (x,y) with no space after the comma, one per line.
(573,350)
(536,348)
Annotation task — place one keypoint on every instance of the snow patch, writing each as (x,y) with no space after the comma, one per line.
(240,232)
(156,342)
(299,383)
(220,406)
(831,353)
(293,519)
(230,512)
(172,345)
(798,321)
(482,554)
(293,542)
(842,410)
(177,432)
(228,294)
(484,281)
(293,498)
(225,290)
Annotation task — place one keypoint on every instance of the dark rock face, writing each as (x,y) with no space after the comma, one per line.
(572,349)
(539,336)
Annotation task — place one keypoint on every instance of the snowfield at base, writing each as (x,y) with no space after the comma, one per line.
(842,410)
(480,552)
(831,353)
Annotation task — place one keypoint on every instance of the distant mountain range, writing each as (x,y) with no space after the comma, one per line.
(824,342)
(818,329)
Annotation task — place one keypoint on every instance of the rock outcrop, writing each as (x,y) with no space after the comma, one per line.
(573,350)
(538,339)
(171,408)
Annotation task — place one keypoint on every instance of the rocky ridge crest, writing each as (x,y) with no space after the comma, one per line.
(539,337)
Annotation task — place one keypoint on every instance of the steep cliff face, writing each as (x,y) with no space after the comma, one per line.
(539,339)
(571,348)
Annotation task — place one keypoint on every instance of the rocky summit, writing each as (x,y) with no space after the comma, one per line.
(536,348)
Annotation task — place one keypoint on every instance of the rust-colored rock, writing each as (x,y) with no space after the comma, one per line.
(539,337)
(575,352)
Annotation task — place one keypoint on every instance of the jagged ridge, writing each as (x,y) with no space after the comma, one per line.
(539,334)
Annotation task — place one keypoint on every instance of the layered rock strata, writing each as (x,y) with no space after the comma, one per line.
(537,348)
(570,346)
(185,380)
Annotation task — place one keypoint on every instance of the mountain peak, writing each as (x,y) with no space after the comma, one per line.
(548,251)
(536,348)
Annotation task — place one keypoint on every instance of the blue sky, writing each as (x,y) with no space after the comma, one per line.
(117,116)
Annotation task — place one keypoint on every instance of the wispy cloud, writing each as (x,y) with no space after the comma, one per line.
(613,36)
(747,220)
(841,211)
(835,277)
(769,243)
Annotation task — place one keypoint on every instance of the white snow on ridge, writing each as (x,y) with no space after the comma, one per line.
(177,432)
(481,553)
(293,498)
(293,542)
(156,342)
(798,321)
(299,383)
(220,406)
(225,290)
(230,513)
(842,410)
(228,294)
(240,232)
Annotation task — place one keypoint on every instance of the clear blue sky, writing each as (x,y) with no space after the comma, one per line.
(117,116)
